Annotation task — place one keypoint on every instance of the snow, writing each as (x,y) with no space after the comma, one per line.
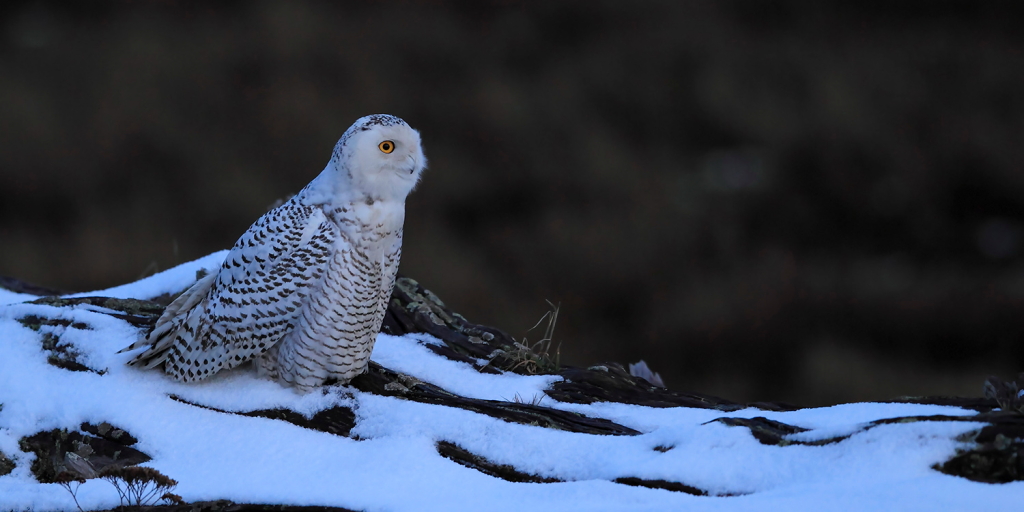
(173,280)
(391,463)
(9,297)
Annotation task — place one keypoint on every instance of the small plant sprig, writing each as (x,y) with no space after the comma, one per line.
(141,485)
(65,480)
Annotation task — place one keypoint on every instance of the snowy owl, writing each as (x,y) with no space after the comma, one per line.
(303,292)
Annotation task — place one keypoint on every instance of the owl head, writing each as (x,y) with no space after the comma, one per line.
(379,157)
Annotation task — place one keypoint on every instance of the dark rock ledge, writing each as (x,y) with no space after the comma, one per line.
(995,453)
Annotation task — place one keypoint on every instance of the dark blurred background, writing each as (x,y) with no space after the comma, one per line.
(803,201)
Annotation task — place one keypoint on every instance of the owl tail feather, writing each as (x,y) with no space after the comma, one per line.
(170,322)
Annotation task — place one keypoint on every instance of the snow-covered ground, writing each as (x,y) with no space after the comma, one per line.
(392,463)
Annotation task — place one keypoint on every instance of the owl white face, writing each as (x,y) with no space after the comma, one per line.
(383,157)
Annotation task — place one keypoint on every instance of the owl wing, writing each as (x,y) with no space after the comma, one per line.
(389,274)
(254,300)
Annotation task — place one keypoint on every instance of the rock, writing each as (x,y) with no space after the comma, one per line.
(995,453)
(6,465)
(85,455)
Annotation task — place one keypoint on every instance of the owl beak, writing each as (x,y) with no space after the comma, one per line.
(412,164)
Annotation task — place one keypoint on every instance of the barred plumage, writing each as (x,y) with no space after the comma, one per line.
(304,291)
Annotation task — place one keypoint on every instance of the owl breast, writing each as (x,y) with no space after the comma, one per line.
(338,325)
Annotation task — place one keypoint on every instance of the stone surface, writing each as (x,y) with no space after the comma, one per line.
(81,454)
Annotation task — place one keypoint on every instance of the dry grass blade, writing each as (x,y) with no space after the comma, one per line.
(1008,394)
(65,479)
(536,400)
(139,486)
(536,358)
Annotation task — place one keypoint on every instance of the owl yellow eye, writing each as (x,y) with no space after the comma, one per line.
(386,146)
